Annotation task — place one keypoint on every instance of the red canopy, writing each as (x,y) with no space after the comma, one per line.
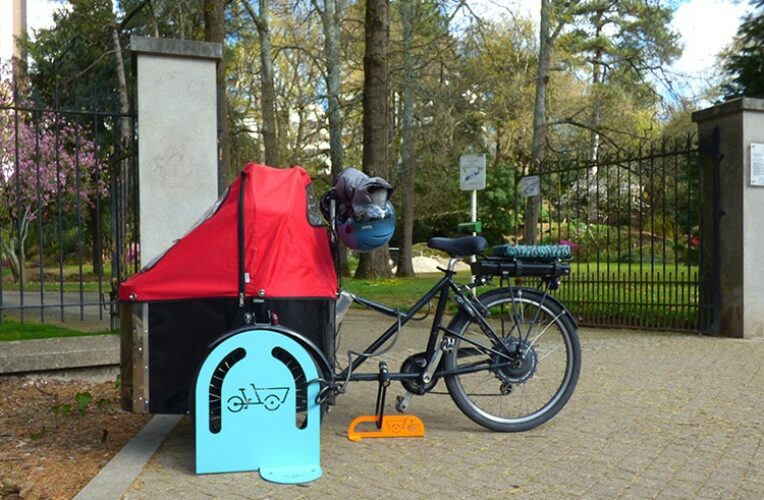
(284,255)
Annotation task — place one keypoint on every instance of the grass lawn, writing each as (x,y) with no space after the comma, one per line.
(51,274)
(621,295)
(598,293)
(628,269)
(87,286)
(15,330)
(401,293)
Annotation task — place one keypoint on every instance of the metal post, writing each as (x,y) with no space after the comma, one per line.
(473,217)
(716,271)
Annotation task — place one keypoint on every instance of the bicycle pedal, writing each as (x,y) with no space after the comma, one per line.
(402,402)
(391,426)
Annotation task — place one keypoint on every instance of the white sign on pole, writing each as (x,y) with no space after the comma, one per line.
(472,172)
(757,164)
(531,185)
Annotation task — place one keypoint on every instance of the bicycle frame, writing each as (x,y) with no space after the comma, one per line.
(441,288)
(490,336)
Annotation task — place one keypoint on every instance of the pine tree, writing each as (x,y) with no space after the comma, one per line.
(746,64)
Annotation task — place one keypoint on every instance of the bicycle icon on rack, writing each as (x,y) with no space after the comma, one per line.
(270,397)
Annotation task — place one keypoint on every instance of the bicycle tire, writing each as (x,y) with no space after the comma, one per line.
(495,397)
(240,405)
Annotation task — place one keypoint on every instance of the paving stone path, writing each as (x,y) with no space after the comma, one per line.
(655,415)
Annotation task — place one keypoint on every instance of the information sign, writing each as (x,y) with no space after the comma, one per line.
(472,172)
(531,186)
(757,165)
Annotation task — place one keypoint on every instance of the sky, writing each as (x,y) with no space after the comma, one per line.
(705,27)
(39,15)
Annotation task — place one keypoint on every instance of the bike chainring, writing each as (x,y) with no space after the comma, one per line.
(416,364)
(520,367)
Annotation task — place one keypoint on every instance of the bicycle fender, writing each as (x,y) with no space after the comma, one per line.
(322,363)
(461,316)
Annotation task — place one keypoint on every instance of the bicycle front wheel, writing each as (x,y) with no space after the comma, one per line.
(524,382)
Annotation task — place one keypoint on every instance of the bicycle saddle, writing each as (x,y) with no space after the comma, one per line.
(459,247)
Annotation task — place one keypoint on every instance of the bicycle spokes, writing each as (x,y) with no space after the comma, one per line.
(527,374)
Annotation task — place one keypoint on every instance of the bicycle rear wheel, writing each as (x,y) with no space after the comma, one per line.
(522,390)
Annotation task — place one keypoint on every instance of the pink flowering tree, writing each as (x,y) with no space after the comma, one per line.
(43,159)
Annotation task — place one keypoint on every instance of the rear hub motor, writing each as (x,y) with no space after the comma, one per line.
(521,364)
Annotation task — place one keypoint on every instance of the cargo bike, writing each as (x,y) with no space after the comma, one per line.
(262,259)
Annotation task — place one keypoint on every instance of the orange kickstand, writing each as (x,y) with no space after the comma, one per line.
(386,426)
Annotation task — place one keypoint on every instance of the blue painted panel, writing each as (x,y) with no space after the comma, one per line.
(252,424)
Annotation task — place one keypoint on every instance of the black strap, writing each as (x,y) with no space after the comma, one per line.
(242,282)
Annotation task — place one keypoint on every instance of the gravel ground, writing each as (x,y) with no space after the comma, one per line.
(48,449)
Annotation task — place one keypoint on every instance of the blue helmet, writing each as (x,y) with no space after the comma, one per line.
(368,235)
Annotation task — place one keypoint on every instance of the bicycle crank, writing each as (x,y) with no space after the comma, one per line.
(415,364)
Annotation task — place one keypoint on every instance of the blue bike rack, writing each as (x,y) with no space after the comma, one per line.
(247,396)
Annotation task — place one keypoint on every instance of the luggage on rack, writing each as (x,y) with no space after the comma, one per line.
(545,261)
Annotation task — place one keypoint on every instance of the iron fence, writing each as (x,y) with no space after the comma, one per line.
(68,217)
(632,220)
(69,222)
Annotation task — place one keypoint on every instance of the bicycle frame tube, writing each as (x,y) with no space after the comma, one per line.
(483,324)
(442,287)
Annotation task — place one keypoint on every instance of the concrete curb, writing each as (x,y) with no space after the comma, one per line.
(24,356)
(114,479)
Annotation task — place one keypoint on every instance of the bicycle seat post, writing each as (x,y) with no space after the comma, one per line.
(452,264)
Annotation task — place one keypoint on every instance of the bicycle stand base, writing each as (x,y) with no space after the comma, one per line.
(390,426)
(386,426)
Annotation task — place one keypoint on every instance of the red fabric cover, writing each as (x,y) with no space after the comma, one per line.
(284,255)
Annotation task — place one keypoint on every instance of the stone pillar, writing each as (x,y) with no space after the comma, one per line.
(177,137)
(739,287)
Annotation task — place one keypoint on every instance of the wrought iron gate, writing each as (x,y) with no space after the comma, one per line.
(68,217)
(632,220)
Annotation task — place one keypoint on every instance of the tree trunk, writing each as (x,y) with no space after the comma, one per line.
(267,89)
(9,251)
(596,120)
(594,139)
(15,249)
(331,18)
(546,41)
(214,31)
(375,87)
(590,182)
(94,221)
(22,250)
(405,265)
